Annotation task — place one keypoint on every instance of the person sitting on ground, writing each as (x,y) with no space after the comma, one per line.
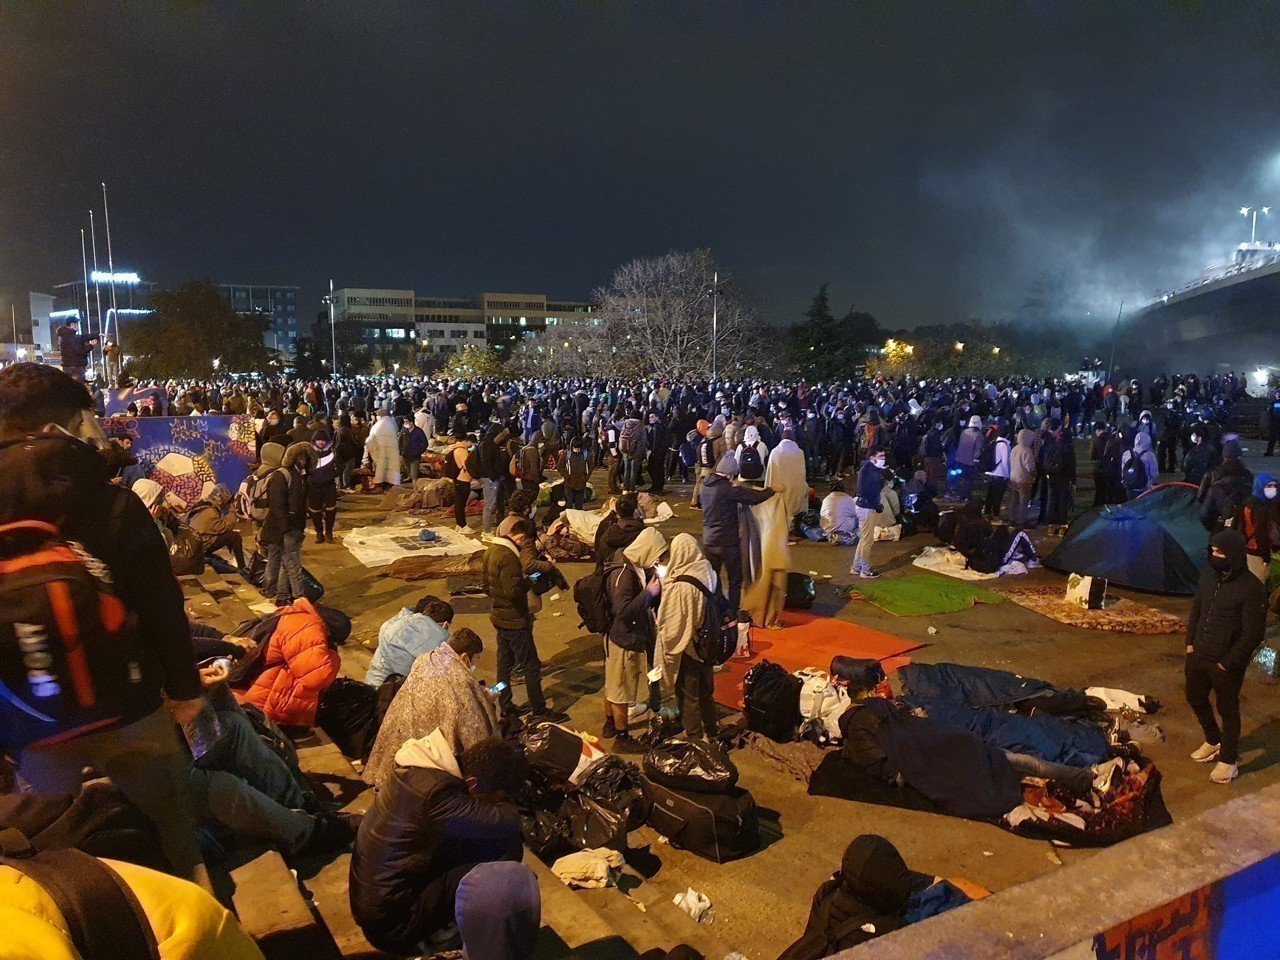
(873,893)
(918,499)
(412,632)
(299,663)
(498,912)
(440,814)
(214,526)
(439,693)
(838,518)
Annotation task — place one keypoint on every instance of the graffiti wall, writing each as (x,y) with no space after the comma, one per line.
(188,455)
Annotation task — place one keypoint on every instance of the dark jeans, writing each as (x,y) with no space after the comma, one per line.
(1059,498)
(283,576)
(728,559)
(231,540)
(1167,455)
(516,648)
(349,467)
(964,483)
(461,493)
(574,499)
(322,507)
(996,487)
(694,688)
(1204,677)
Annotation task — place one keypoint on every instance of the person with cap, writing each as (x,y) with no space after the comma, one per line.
(721,499)
(968,454)
(1226,625)
(633,586)
(322,485)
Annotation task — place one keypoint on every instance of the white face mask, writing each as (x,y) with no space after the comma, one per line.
(1269,492)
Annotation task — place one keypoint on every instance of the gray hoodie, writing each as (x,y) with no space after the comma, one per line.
(1022,464)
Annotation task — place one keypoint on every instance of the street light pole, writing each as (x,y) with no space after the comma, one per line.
(715,320)
(111,265)
(333,333)
(97,288)
(84,266)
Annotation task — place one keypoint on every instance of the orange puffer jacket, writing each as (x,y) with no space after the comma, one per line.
(297,666)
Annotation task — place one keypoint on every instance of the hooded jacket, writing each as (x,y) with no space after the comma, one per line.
(1226,495)
(720,500)
(1142,450)
(1228,614)
(297,666)
(681,611)
(865,899)
(632,626)
(969,449)
(1022,462)
(507,586)
(423,824)
(1258,517)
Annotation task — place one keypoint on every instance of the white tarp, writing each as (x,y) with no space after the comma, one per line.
(379,546)
(949,561)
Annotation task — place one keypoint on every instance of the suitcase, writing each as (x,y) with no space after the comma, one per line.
(715,826)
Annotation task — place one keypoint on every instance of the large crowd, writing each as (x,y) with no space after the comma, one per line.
(437,855)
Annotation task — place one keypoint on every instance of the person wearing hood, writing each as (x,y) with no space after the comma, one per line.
(213,527)
(322,486)
(618,528)
(998,475)
(710,449)
(1257,522)
(285,523)
(633,585)
(680,615)
(721,499)
(1200,457)
(753,456)
(382,451)
(508,589)
(1228,617)
(499,912)
(156,500)
(785,473)
(968,453)
(1139,470)
(873,893)
(1226,495)
(440,692)
(439,815)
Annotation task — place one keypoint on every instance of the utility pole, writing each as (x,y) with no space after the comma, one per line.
(1115,335)
(84,266)
(97,290)
(13,315)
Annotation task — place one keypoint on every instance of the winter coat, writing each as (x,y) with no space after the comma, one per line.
(1141,449)
(614,533)
(439,693)
(402,640)
(73,349)
(680,613)
(1258,518)
(286,505)
(870,483)
(969,449)
(575,470)
(1229,612)
(720,500)
(423,825)
(187,922)
(1002,464)
(507,586)
(1225,496)
(297,666)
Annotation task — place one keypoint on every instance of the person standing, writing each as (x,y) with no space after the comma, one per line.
(508,590)
(575,469)
(461,463)
(284,526)
(52,475)
(1228,617)
(112,356)
(1058,464)
(998,475)
(1257,521)
(866,505)
(322,486)
(382,450)
(1273,421)
(73,350)
(968,453)
(680,616)
(413,444)
(633,587)
(721,498)
(656,439)
(494,466)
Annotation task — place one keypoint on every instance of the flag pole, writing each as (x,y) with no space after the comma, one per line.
(111,265)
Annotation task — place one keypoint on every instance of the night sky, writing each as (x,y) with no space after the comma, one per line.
(932,161)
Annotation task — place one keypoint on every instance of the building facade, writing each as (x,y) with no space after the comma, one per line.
(446,324)
(279,304)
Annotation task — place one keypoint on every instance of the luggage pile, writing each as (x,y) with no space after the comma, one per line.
(806,704)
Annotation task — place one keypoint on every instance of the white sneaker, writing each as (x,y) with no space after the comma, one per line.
(637,711)
(1205,752)
(1224,772)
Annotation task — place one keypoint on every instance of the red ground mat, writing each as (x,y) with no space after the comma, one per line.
(811,641)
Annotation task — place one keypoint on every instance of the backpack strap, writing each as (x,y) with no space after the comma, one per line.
(694,581)
(104,918)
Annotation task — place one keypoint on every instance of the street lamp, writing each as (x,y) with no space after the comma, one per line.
(959,346)
(1244,212)
(995,350)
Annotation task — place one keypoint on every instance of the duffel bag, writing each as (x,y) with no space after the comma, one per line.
(771,701)
(715,826)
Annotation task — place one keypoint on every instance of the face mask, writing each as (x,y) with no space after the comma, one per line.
(1269,492)
(472,667)
(879,462)
(1221,564)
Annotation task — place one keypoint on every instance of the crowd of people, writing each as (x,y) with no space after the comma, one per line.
(438,852)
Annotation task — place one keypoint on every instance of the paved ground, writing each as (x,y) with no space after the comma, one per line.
(760,903)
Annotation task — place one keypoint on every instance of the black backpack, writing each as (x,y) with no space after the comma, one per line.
(591,595)
(771,701)
(707,453)
(1134,475)
(750,466)
(1055,456)
(716,638)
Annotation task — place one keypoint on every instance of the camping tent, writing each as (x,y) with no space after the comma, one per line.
(1155,542)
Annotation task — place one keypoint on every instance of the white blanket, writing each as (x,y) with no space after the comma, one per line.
(379,546)
(949,561)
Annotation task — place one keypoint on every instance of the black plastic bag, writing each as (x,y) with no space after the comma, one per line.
(592,824)
(693,765)
(186,555)
(801,591)
(346,715)
(616,783)
(552,751)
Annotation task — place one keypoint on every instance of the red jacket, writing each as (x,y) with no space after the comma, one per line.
(297,666)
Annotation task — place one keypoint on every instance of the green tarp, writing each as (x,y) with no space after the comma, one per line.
(919,596)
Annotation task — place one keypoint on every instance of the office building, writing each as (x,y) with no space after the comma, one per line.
(42,322)
(446,324)
(279,304)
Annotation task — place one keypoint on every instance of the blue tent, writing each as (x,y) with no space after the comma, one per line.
(1155,542)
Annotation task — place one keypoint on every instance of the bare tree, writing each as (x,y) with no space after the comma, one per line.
(656,319)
